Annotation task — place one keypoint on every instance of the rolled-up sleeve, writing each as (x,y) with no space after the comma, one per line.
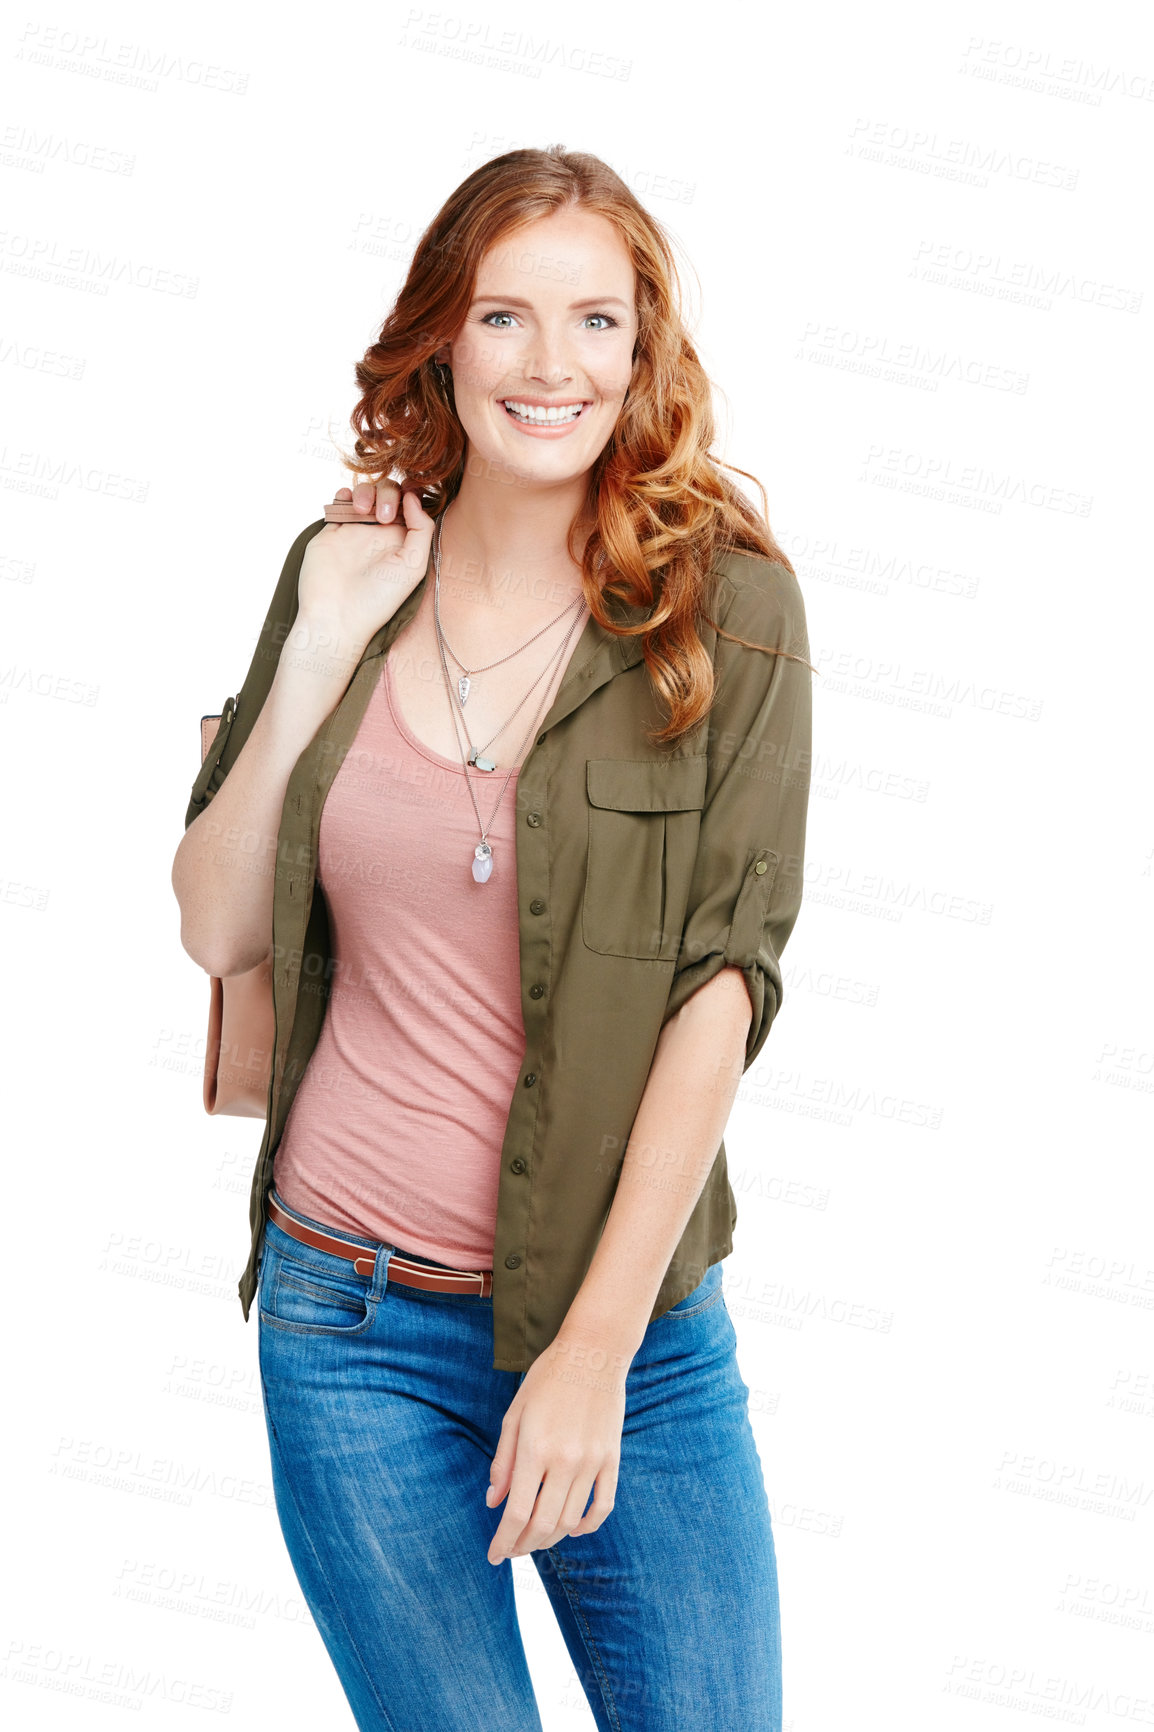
(746,889)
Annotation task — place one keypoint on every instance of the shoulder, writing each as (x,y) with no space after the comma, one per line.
(759,599)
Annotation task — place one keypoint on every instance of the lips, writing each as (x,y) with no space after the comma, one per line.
(527,413)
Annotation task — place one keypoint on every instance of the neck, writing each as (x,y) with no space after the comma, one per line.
(511,541)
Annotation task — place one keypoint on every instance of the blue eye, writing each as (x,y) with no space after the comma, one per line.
(608,321)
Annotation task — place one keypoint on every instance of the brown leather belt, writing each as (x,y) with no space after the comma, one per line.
(407,1270)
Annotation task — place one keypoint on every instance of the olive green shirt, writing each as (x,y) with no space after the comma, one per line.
(642,871)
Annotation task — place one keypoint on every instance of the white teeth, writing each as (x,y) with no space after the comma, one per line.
(544,416)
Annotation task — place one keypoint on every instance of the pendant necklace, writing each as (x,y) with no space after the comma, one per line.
(482,862)
(464,682)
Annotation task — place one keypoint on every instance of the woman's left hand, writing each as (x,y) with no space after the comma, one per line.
(561,1434)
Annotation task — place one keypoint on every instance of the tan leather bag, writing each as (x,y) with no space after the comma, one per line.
(241,1029)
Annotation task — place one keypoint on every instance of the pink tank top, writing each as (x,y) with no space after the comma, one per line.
(397,1126)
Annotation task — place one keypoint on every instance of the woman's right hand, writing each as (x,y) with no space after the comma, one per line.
(355,576)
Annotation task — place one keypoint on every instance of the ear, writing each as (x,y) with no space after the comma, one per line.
(442,355)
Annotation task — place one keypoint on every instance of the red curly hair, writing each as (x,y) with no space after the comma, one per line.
(662,509)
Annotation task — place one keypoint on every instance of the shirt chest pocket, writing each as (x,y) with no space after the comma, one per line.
(644,818)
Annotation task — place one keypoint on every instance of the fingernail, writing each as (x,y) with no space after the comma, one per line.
(387,510)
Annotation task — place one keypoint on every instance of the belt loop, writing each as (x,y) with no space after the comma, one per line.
(380,1286)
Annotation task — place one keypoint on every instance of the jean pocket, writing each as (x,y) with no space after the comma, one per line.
(707,1292)
(312,1299)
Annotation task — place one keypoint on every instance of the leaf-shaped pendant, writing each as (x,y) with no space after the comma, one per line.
(463,685)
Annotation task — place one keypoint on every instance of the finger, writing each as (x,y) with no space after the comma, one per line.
(570,1519)
(501,1466)
(344,493)
(416,517)
(518,1512)
(419,528)
(500,1477)
(365,497)
(388,499)
(547,1523)
(602,1505)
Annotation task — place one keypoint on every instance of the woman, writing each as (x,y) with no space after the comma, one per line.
(517,785)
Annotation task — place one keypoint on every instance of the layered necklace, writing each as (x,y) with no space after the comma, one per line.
(457,691)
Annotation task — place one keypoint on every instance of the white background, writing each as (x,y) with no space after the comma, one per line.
(924,290)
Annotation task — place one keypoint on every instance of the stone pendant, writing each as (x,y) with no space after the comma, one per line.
(482,862)
(463,686)
(479,762)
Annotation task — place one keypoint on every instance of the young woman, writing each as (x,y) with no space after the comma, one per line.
(516,789)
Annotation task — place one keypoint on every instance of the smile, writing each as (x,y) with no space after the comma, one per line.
(533,415)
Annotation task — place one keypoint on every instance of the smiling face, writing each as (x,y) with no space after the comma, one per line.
(544,358)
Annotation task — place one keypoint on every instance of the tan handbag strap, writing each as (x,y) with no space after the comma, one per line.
(241,1022)
(208,730)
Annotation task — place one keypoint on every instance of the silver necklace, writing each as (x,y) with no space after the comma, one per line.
(482,862)
(464,681)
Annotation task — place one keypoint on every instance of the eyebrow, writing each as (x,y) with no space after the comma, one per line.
(514,301)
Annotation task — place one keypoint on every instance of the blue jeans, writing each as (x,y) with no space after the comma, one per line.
(384,1413)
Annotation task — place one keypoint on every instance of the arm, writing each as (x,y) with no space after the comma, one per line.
(222,873)
(572,1431)
(727,986)
(224,869)
(565,1421)
(679,1125)
(336,587)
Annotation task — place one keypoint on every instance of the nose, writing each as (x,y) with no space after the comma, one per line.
(548,362)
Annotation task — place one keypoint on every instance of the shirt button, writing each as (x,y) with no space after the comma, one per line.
(512,1261)
(517,1166)
(533,819)
(536,992)
(761,867)
(530,1079)
(536,906)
